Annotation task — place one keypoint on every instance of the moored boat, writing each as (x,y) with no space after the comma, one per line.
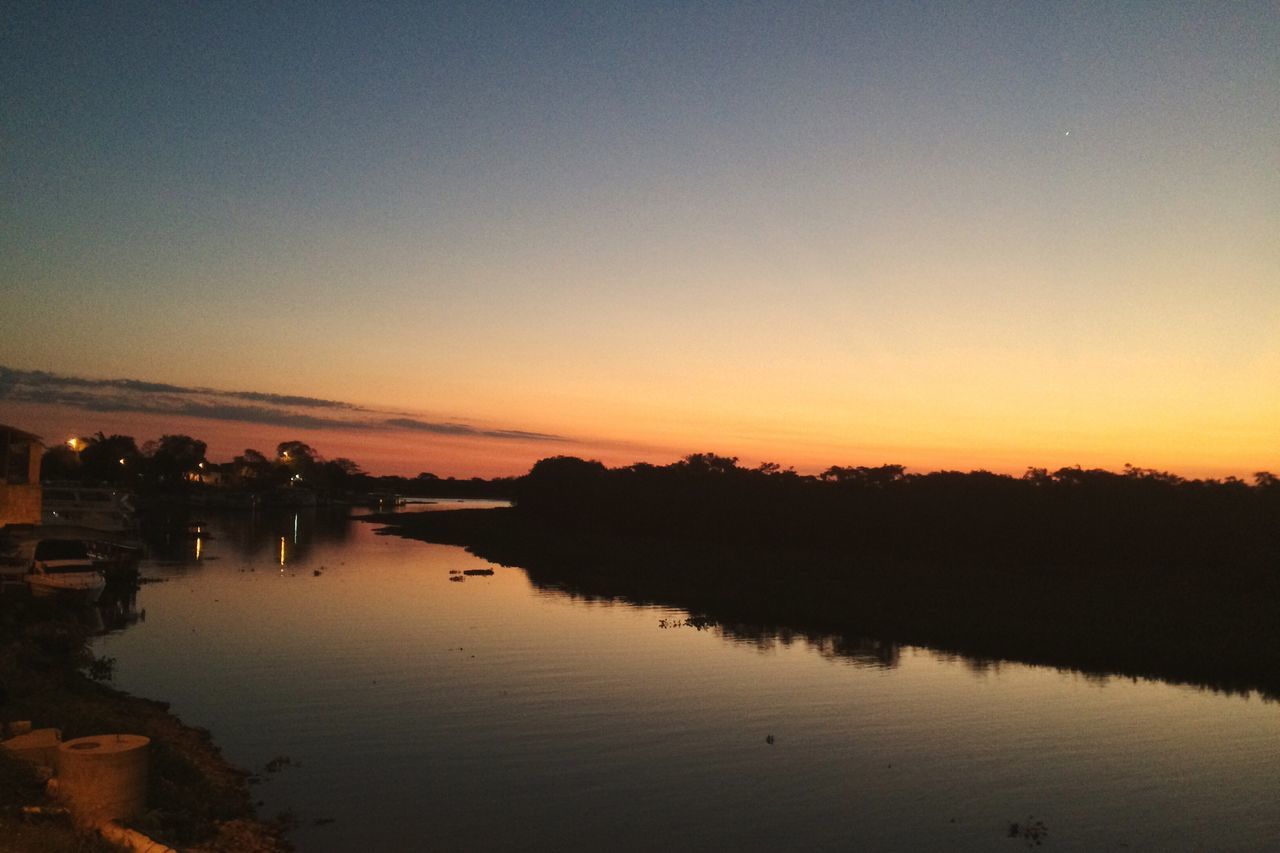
(64,567)
(91,507)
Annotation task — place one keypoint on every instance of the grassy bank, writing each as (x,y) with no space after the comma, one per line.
(196,799)
(1179,623)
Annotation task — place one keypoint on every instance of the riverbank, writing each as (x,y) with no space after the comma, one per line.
(1175,624)
(196,800)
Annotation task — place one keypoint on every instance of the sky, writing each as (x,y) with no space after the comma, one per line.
(954,235)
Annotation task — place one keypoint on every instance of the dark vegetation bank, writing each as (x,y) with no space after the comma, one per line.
(1138,573)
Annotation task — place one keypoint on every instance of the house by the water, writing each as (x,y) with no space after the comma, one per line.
(20,454)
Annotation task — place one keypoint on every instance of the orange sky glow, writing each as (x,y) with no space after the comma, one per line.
(992,236)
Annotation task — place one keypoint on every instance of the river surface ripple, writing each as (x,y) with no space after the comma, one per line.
(424,712)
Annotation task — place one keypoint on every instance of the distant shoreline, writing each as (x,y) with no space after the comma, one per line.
(1174,626)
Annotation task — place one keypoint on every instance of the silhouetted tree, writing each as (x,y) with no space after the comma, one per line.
(251,469)
(296,453)
(173,457)
(879,477)
(340,473)
(59,463)
(297,462)
(710,464)
(110,459)
(562,485)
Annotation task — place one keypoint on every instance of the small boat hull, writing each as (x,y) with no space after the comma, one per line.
(81,586)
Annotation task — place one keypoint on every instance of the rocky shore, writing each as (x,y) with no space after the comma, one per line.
(196,800)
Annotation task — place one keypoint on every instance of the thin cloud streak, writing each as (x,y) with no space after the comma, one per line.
(157,398)
(464,429)
(44,379)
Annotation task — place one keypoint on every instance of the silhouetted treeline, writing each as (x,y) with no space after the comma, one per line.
(1138,516)
(431,486)
(1138,572)
(179,463)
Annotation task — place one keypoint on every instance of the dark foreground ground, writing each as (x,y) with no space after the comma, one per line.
(1185,622)
(196,800)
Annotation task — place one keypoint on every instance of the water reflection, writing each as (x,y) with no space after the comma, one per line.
(550,714)
(118,608)
(742,619)
(179,536)
(115,610)
(179,539)
(859,651)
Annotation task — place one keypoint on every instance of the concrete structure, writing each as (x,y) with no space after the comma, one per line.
(19,476)
(38,747)
(103,777)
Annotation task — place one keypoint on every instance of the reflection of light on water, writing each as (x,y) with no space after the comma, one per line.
(295,528)
(282,553)
(199,546)
(927,709)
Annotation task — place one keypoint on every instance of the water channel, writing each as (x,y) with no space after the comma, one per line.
(423,708)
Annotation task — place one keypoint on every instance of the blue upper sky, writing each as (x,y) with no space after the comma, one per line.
(635,214)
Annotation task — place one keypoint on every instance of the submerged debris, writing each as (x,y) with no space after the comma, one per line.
(1033,831)
(280,762)
(698,623)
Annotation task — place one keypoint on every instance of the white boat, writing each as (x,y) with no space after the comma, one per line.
(64,567)
(89,507)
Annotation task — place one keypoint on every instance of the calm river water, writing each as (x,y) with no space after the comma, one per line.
(424,712)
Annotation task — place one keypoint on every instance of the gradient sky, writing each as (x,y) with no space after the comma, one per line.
(944,235)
